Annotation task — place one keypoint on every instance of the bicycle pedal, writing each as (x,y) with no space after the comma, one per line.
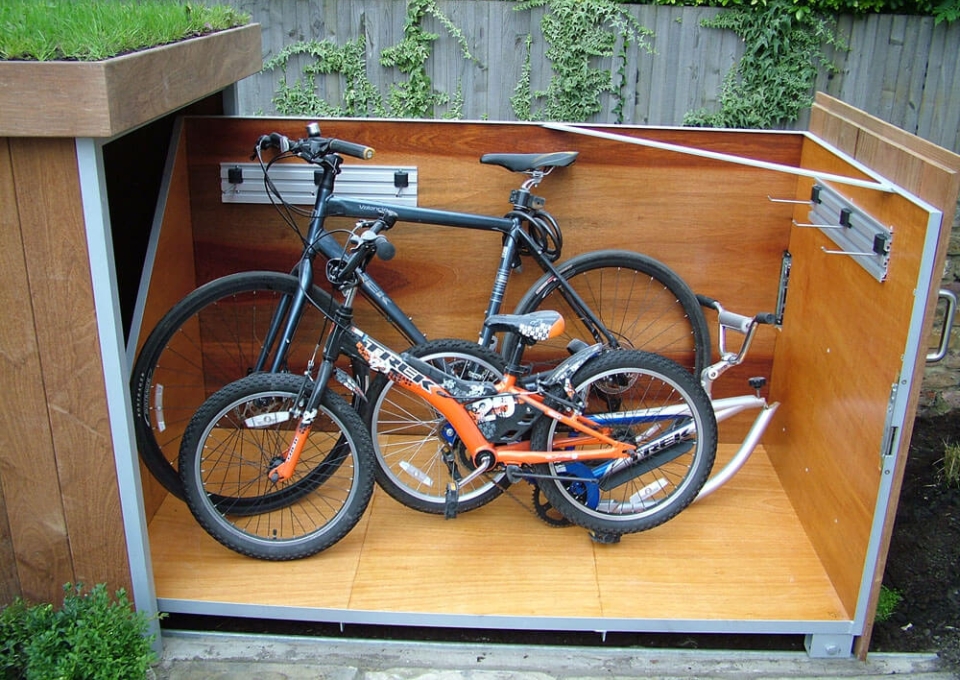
(450,501)
(606,539)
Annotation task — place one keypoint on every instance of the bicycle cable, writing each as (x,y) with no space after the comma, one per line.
(285,209)
(543,231)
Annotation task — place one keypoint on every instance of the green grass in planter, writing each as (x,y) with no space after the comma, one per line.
(91,30)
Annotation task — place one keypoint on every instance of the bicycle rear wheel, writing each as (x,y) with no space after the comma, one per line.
(240,434)
(641,301)
(414,460)
(207,340)
(658,407)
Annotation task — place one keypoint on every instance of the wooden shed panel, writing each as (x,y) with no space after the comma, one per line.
(59,275)
(894,153)
(39,550)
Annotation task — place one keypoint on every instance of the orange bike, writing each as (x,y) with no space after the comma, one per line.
(279,466)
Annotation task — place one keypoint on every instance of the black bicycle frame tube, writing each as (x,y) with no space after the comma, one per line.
(304,272)
(342,206)
(508,226)
(328,204)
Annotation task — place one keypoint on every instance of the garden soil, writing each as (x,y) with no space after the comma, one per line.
(923,564)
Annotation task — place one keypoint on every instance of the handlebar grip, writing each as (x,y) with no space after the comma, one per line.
(385,249)
(738,322)
(706,301)
(766,318)
(274,140)
(350,149)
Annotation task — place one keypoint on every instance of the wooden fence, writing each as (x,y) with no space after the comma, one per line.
(904,70)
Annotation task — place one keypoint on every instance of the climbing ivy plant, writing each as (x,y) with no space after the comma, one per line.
(522,94)
(580,33)
(774,79)
(415,97)
(360,98)
(412,98)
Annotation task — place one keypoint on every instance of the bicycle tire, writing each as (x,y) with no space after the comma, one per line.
(646,492)
(175,371)
(241,433)
(644,303)
(405,430)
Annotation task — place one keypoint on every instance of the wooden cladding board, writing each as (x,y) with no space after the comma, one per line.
(107,98)
(58,471)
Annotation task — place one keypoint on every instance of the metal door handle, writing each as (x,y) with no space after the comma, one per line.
(951,299)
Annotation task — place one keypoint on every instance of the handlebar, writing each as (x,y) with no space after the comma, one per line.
(369,243)
(313,147)
(737,322)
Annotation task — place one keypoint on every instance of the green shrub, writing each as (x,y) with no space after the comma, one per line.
(91,637)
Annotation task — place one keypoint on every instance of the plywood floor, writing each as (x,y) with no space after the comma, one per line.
(738,555)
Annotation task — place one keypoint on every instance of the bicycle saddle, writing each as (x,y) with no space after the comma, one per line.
(531,327)
(525,162)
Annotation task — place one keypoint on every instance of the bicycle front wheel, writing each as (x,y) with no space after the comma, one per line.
(642,302)
(656,406)
(212,337)
(415,458)
(240,434)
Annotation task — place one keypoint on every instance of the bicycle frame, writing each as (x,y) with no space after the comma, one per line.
(728,407)
(485,455)
(318,241)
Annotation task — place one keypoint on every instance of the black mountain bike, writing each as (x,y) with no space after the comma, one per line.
(248,322)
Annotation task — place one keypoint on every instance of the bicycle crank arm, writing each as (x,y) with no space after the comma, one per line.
(451,499)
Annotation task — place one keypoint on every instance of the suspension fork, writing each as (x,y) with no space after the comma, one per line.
(290,311)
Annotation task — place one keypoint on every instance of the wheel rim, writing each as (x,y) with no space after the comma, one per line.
(236,459)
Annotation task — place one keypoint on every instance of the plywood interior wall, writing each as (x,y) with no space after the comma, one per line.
(172,277)
(839,357)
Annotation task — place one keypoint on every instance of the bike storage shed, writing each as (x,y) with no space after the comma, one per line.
(794,543)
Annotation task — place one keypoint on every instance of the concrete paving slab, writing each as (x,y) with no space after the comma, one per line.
(196,656)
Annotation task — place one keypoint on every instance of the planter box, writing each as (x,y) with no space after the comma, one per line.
(106,98)
(58,352)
